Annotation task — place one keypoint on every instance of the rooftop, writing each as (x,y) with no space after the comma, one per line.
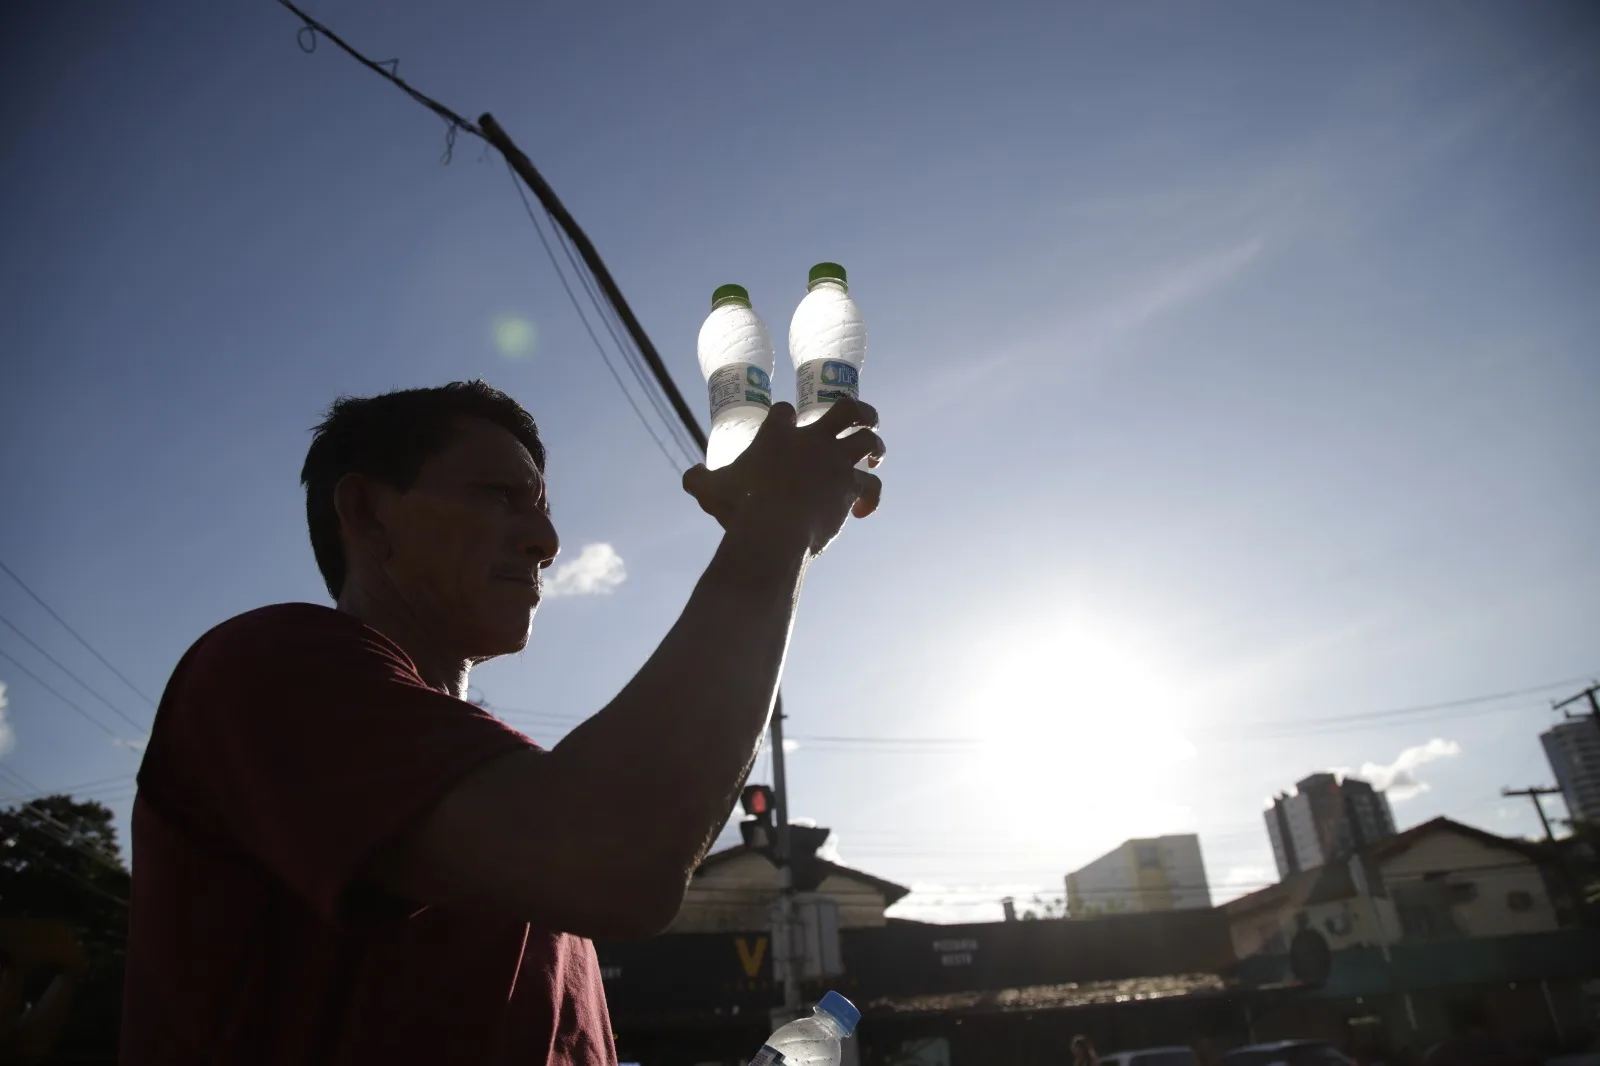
(1050,997)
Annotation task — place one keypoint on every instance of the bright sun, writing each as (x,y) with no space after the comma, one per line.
(1084,727)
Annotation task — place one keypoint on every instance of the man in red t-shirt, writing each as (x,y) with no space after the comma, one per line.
(339,860)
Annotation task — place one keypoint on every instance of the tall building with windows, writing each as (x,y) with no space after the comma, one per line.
(1573,749)
(1163,873)
(1325,819)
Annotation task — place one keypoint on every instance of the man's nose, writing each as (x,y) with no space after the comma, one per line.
(541,542)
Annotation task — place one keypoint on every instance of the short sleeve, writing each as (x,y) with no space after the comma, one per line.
(314,742)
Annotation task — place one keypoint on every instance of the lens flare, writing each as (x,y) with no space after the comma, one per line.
(514,336)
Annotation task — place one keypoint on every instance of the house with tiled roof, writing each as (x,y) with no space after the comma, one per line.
(1436,881)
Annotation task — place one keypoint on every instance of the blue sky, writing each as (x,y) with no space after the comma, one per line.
(1237,364)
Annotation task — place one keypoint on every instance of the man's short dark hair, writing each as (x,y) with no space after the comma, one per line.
(388,438)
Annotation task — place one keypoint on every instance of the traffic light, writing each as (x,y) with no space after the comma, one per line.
(758,804)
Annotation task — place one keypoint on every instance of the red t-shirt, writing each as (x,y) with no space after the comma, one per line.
(292,742)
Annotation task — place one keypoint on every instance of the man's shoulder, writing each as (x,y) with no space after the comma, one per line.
(269,633)
(276,621)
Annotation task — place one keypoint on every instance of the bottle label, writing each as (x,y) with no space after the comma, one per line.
(767,1056)
(739,383)
(823,381)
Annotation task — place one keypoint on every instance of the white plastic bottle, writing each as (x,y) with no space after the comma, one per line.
(827,343)
(736,359)
(812,1041)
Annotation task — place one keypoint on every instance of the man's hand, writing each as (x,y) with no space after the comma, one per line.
(794,481)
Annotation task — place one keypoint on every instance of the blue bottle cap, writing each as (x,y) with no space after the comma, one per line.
(840,1010)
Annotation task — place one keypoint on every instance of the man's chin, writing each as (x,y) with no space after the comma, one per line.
(506,638)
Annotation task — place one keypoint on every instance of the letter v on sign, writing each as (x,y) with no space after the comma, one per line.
(750,958)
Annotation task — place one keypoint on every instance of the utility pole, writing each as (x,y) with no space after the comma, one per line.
(1533,793)
(783,938)
(1589,694)
(1570,882)
(1363,884)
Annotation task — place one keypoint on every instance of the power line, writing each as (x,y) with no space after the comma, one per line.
(489,130)
(59,666)
(1262,729)
(1278,729)
(85,791)
(608,318)
(85,882)
(626,395)
(308,43)
(602,275)
(76,635)
(81,786)
(62,833)
(91,719)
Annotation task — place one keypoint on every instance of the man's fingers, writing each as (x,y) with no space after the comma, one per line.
(847,413)
(780,413)
(708,490)
(694,479)
(863,444)
(869,491)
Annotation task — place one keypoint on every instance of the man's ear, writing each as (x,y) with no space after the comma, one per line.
(358,500)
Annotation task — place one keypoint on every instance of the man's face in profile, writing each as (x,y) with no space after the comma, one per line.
(469,538)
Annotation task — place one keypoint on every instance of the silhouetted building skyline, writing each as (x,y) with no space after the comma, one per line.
(1326,819)
(1573,749)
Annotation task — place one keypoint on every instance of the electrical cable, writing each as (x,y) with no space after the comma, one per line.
(489,130)
(91,719)
(587,327)
(62,833)
(629,356)
(60,666)
(85,882)
(76,635)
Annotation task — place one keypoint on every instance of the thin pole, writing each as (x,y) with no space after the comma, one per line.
(1534,793)
(783,857)
(1550,1005)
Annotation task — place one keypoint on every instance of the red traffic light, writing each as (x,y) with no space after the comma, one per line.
(756,800)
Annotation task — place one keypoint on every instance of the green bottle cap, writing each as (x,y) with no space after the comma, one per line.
(725,294)
(826,272)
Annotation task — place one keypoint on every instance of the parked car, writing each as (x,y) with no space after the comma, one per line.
(1152,1056)
(1288,1053)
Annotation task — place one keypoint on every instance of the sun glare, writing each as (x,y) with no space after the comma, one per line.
(1083,730)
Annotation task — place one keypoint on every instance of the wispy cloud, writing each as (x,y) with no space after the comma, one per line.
(8,738)
(1177,285)
(597,571)
(1102,323)
(1399,778)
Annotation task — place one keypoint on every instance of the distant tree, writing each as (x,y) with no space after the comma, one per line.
(1095,910)
(1578,856)
(1044,907)
(63,925)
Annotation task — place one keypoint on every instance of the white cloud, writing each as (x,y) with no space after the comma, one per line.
(8,739)
(1399,778)
(1241,880)
(597,571)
